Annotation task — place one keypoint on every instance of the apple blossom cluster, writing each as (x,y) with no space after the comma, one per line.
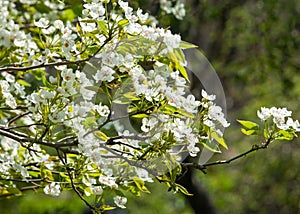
(66,85)
(280,116)
(215,117)
(14,158)
(10,90)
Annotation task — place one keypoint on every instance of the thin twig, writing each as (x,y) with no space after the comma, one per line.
(16,118)
(64,161)
(51,64)
(203,167)
(22,138)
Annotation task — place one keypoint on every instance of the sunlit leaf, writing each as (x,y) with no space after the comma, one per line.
(219,139)
(107,207)
(140,184)
(102,26)
(210,145)
(101,135)
(187,45)
(249,124)
(122,23)
(248,132)
(139,116)
(285,135)
(183,72)
(183,190)
(23,82)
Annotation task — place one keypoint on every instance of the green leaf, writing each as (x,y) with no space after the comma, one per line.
(131,96)
(219,139)
(179,55)
(14,191)
(101,135)
(183,72)
(122,23)
(176,58)
(284,135)
(182,189)
(46,173)
(1,94)
(65,177)
(249,125)
(102,26)
(171,110)
(42,8)
(187,45)
(248,132)
(92,49)
(266,134)
(23,82)
(46,83)
(107,207)
(210,145)
(69,14)
(79,30)
(140,184)
(34,174)
(139,116)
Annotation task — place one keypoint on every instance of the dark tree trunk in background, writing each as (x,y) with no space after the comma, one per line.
(200,201)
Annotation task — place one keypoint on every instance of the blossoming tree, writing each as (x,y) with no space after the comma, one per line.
(94,99)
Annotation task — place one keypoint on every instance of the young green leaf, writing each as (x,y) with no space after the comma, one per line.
(187,45)
(219,139)
(212,146)
(140,184)
(248,132)
(284,135)
(182,189)
(249,125)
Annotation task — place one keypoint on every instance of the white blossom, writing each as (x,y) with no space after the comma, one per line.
(104,74)
(52,189)
(148,125)
(120,201)
(97,190)
(42,23)
(103,110)
(208,97)
(108,181)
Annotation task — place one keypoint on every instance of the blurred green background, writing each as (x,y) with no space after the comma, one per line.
(254,47)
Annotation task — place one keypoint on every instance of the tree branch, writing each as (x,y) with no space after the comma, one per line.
(51,64)
(22,138)
(203,167)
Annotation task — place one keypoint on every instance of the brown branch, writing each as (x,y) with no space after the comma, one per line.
(25,126)
(137,163)
(22,180)
(51,64)
(12,109)
(41,65)
(111,141)
(16,118)
(23,189)
(203,167)
(64,161)
(22,138)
